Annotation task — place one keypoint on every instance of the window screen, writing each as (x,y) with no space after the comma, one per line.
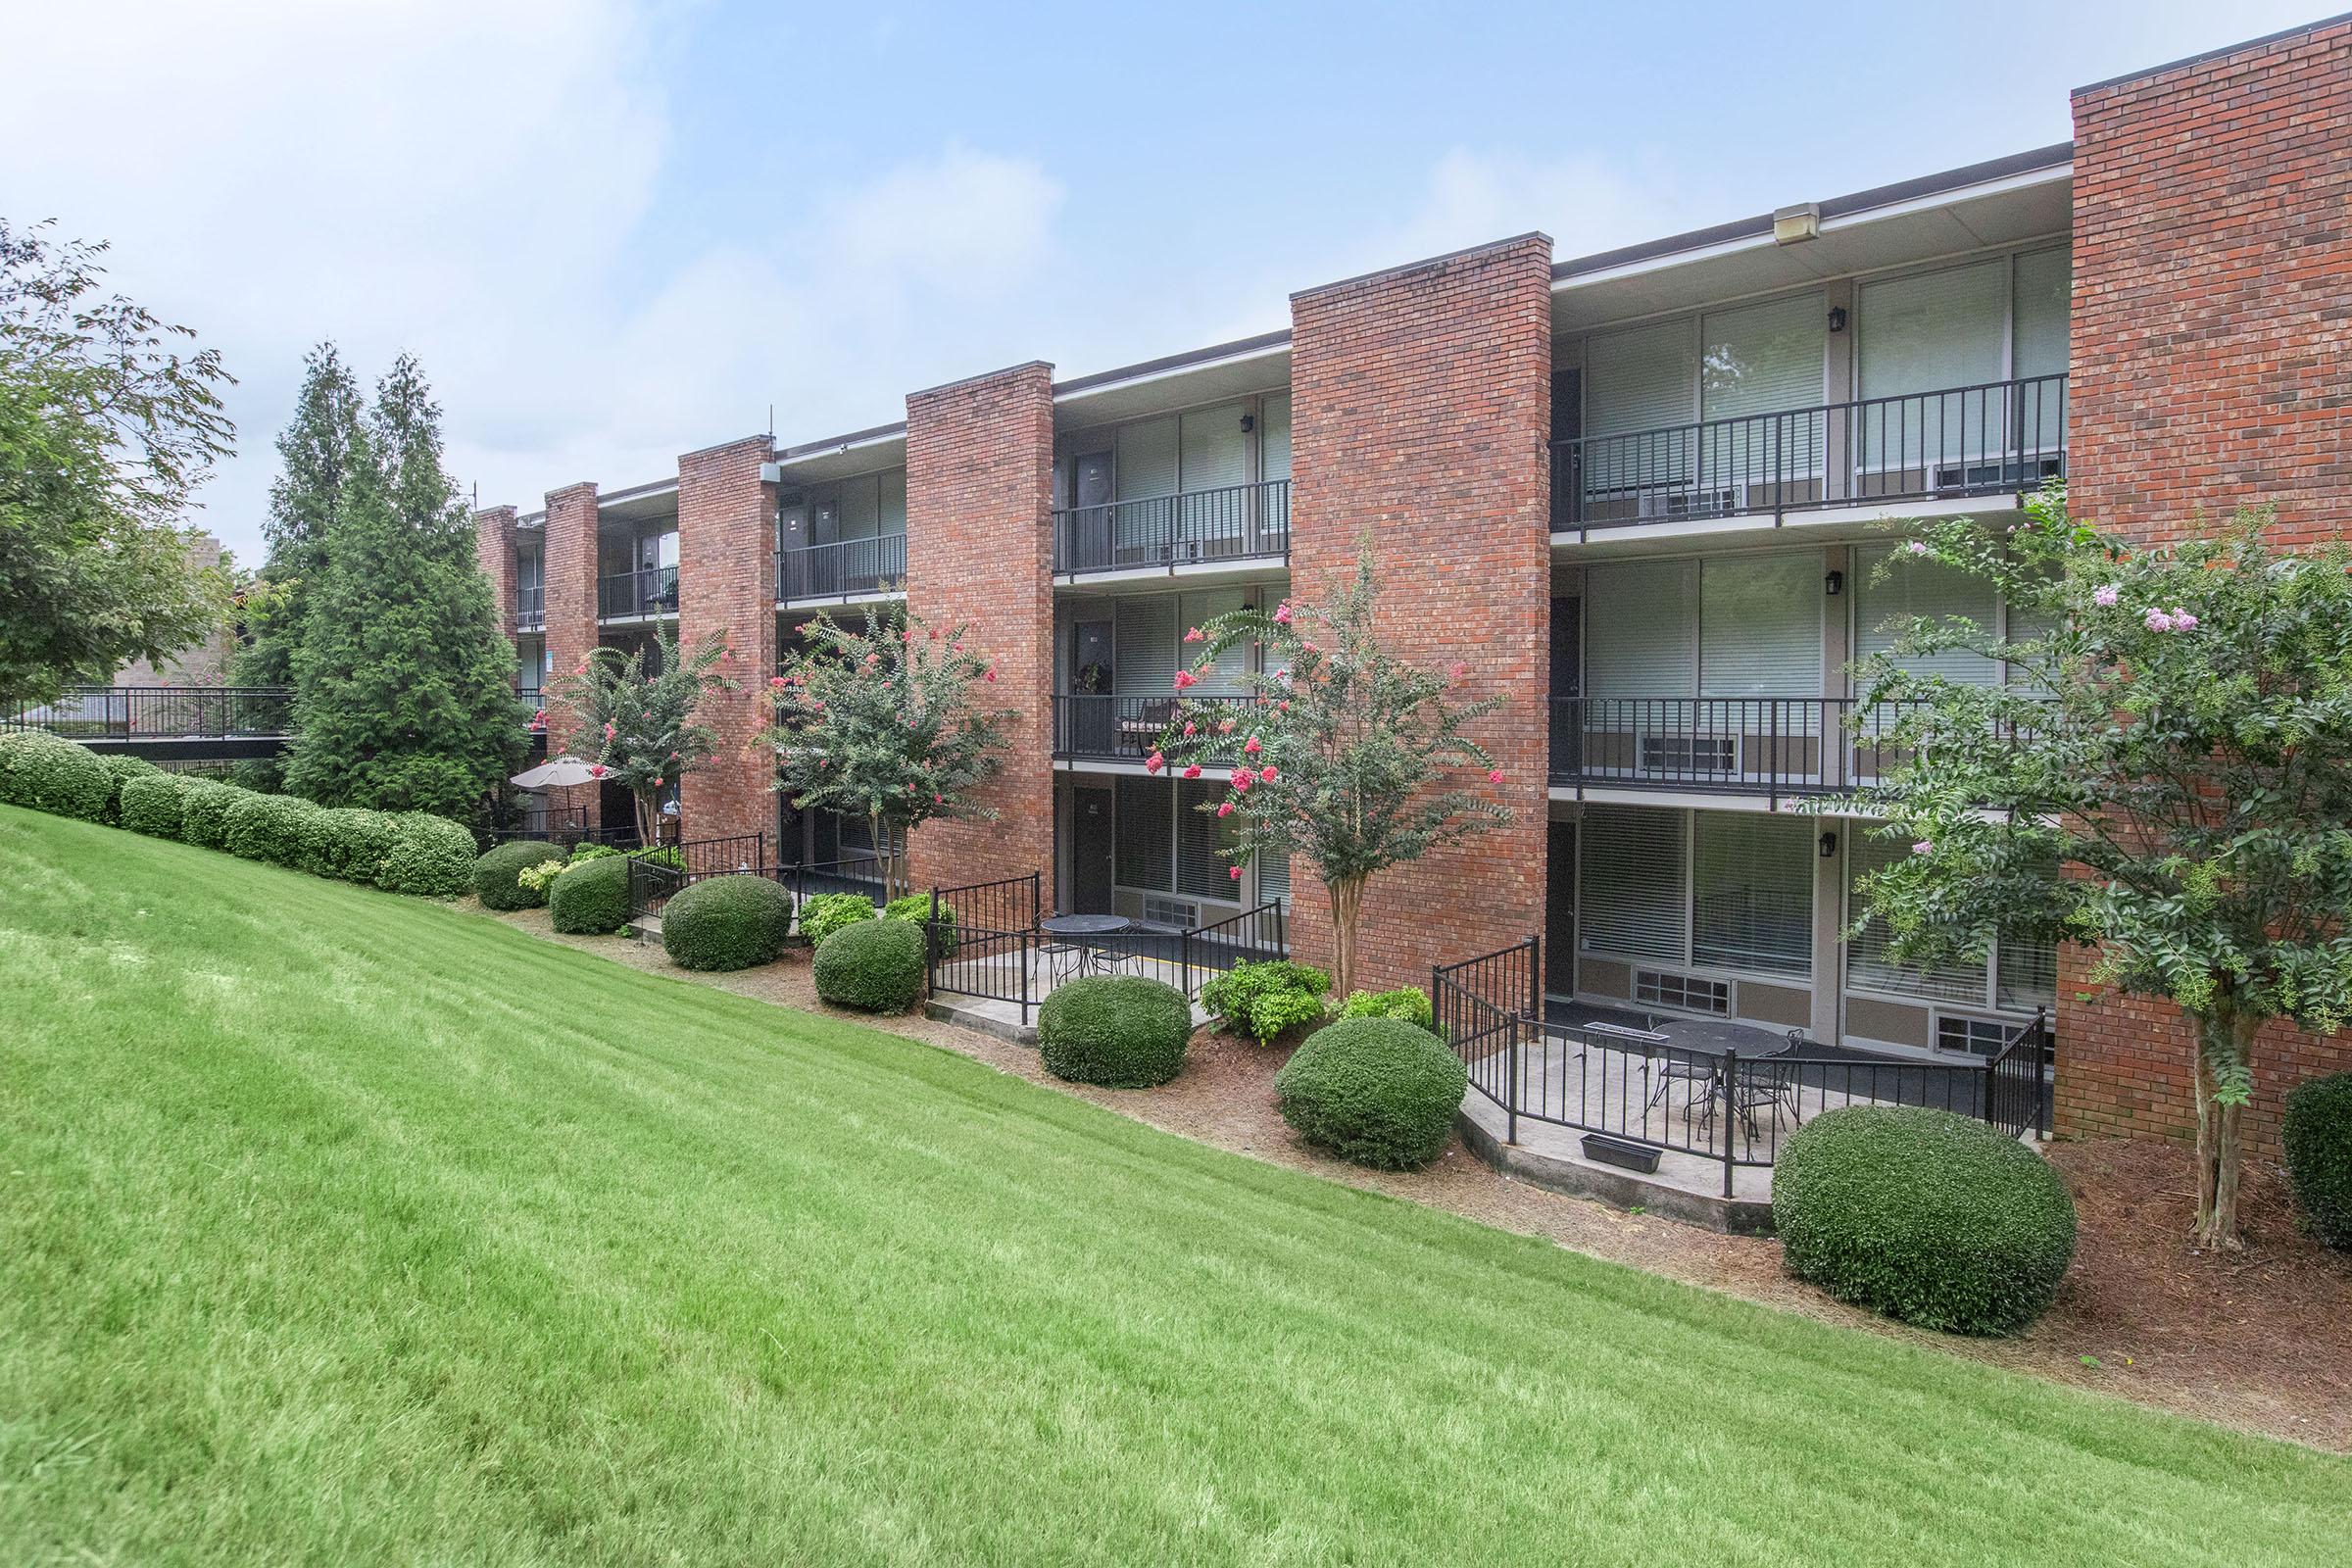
(1631,883)
(1646,379)
(1751,892)
(1146,461)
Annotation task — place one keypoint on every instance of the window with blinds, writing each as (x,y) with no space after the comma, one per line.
(2044,281)
(1201,871)
(1931,333)
(1751,892)
(1225,677)
(1764,359)
(1632,899)
(860,506)
(1869,966)
(1145,808)
(893,517)
(1759,628)
(1640,631)
(1274,437)
(1273,878)
(1885,606)
(1144,460)
(1213,450)
(1144,647)
(1646,379)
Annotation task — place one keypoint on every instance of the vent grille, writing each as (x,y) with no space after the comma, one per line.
(1159,910)
(1689,991)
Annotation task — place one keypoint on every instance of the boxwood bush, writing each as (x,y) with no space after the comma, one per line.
(827,912)
(871,965)
(1119,1031)
(592,896)
(121,770)
(348,843)
(1379,1091)
(50,774)
(204,813)
(916,907)
(495,873)
(726,922)
(430,857)
(1409,1003)
(270,828)
(154,804)
(2317,1135)
(1923,1216)
(1262,999)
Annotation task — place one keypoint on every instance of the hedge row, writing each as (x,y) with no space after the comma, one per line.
(400,852)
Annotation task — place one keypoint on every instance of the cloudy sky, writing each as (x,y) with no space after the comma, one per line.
(617,231)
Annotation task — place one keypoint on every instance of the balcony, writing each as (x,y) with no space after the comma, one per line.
(1995,439)
(846,569)
(531,609)
(1776,746)
(630,595)
(1126,729)
(1239,523)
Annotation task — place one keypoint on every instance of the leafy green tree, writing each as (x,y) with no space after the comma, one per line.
(404,686)
(1341,755)
(106,426)
(638,707)
(316,453)
(887,724)
(2167,778)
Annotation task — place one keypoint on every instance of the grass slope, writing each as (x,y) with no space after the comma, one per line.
(335,1226)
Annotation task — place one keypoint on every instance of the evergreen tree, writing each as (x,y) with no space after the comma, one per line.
(404,694)
(315,451)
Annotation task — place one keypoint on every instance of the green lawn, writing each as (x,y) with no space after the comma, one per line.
(337,1227)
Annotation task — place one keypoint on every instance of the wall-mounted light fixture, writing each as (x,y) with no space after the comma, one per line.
(1834,583)
(1837,318)
(1248,422)
(1793,226)
(1829,846)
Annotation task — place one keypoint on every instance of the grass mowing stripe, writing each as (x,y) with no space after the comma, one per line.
(409,1235)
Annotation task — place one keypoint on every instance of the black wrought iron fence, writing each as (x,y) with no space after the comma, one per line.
(1129,728)
(160,712)
(842,568)
(658,874)
(646,591)
(1959,441)
(981,938)
(1253,936)
(530,608)
(1235,523)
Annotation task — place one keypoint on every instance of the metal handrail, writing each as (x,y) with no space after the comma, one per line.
(647,590)
(162,712)
(842,569)
(1128,729)
(1188,527)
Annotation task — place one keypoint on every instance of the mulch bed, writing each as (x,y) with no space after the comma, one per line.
(2260,1339)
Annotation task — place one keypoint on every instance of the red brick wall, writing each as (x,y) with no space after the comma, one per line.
(494,548)
(1421,403)
(726,585)
(979,531)
(2212,331)
(570,579)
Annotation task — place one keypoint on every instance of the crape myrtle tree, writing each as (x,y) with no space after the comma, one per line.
(1341,754)
(637,707)
(404,686)
(888,723)
(2167,778)
(109,420)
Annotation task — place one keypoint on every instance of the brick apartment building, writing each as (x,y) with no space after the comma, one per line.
(1640,492)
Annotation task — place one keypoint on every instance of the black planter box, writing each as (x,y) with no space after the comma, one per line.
(1624,1151)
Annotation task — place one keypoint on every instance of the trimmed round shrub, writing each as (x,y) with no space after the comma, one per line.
(154,804)
(871,965)
(271,828)
(494,874)
(432,858)
(1379,1091)
(204,813)
(50,774)
(726,922)
(1409,1003)
(827,912)
(916,907)
(348,842)
(1119,1031)
(121,770)
(1924,1216)
(591,898)
(2317,1135)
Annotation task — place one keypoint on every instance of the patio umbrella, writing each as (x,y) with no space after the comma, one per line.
(555,773)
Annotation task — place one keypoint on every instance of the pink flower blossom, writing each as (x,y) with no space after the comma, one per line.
(1459,671)
(1493,775)
(1243,778)
(608,731)
(1185,677)
(1193,770)
(990,674)
(1196,635)
(1225,809)
(1155,762)
(2182,620)
(1310,647)
(1252,748)
(932,634)
(673,757)
(2157,621)
(2105,595)
(1917,547)
(1268,775)
(1224,727)
(1281,613)
(907,635)
(1189,727)
(540,718)
(657,781)
(776,681)
(598,771)
(1234,872)
(939,800)
(1283,704)
(1924,846)
(871,660)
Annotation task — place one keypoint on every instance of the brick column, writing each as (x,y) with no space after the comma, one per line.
(2212,325)
(979,531)
(1421,403)
(569,573)
(725,587)
(494,548)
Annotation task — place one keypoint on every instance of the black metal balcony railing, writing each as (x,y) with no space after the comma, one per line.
(1239,523)
(1127,729)
(646,591)
(530,608)
(846,568)
(2000,437)
(162,713)
(1773,746)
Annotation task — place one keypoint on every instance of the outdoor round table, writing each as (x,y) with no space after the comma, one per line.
(1085,929)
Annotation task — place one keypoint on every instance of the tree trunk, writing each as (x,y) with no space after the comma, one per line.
(1347,907)
(2225,1055)
(649,819)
